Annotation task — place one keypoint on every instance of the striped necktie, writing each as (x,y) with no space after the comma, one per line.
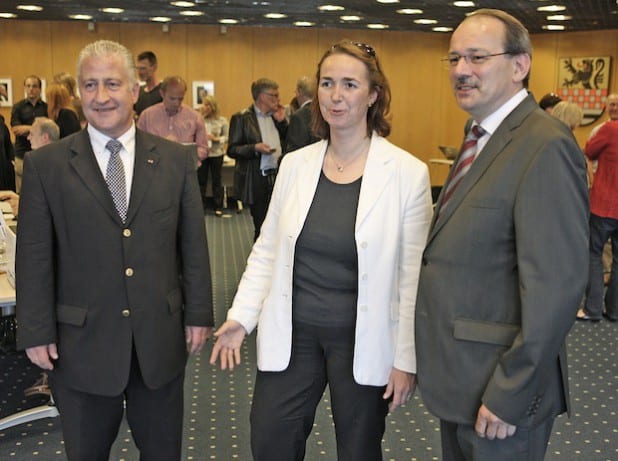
(466,157)
(115,179)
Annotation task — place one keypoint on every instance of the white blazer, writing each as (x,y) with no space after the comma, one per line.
(392,222)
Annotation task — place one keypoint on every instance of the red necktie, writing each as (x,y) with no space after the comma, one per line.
(466,157)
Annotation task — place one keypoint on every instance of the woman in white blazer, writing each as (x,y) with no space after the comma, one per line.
(332,278)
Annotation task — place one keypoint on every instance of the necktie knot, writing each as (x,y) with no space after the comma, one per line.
(114,146)
(477,132)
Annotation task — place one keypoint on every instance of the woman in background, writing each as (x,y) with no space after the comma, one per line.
(332,278)
(67,80)
(217,131)
(61,110)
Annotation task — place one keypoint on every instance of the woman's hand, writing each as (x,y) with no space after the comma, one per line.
(401,386)
(229,338)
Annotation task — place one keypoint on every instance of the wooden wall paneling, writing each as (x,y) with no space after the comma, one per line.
(230,57)
(70,37)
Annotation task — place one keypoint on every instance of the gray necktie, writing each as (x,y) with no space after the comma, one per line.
(115,178)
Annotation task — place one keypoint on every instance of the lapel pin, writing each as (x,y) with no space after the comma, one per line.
(150,161)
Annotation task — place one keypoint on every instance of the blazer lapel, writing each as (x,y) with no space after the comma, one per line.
(84,163)
(496,144)
(376,177)
(146,160)
(307,181)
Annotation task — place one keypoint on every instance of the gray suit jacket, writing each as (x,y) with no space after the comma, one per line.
(502,276)
(96,286)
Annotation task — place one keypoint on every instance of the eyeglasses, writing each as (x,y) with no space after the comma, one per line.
(473,59)
(272,95)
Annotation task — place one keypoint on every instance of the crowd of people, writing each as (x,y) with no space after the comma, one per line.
(355,280)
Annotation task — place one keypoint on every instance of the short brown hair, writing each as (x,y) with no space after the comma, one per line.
(378,113)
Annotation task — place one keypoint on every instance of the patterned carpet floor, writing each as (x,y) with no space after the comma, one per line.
(217,403)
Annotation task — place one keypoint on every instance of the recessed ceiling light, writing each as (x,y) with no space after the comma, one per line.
(410,11)
(228,21)
(464,4)
(425,21)
(112,10)
(559,17)
(160,19)
(192,13)
(30,7)
(442,29)
(81,17)
(388,1)
(183,4)
(554,27)
(350,18)
(275,15)
(551,8)
(331,8)
(8,15)
(261,3)
(377,26)
(304,24)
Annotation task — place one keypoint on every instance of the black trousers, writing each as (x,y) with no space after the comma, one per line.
(213,166)
(284,403)
(460,443)
(262,191)
(90,422)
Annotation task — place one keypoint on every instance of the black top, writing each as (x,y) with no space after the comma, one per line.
(24,113)
(147,98)
(7,172)
(67,122)
(326,262)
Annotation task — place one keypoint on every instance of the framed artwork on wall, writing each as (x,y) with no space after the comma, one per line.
(200,89)
(6,92)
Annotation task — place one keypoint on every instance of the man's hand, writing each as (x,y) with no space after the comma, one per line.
(263,148)
(42,356)
(400,386)
(229,336)
(21,130)
(196,338)
(490,426)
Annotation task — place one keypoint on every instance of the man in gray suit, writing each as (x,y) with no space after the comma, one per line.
(504,267)
(113,279)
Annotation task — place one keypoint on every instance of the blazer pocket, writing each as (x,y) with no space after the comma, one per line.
(501,334)
(72,315)
(174,300)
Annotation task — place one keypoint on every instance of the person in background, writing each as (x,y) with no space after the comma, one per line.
(568,113)
(111,232)
(217,132)
(12,198)
(150,92)
(67,80)
(493,309)
(335,302)
(173,120)
(603,147)
(61,110)
(7,158)
(42,132)
(22,116)
(549,101)
(257,136)
(299,129)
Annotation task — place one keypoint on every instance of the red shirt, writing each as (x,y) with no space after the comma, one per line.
(603,147)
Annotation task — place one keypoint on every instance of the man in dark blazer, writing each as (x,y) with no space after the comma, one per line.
(112,297)
(299,129)
(504,267)
(257,136)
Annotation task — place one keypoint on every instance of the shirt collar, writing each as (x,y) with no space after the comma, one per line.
(259,113)
(99,140)
(491,123)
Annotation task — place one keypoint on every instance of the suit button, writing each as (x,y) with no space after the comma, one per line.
(364,245)
(126,313)
(128,272)
(364,277)
(126,232)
